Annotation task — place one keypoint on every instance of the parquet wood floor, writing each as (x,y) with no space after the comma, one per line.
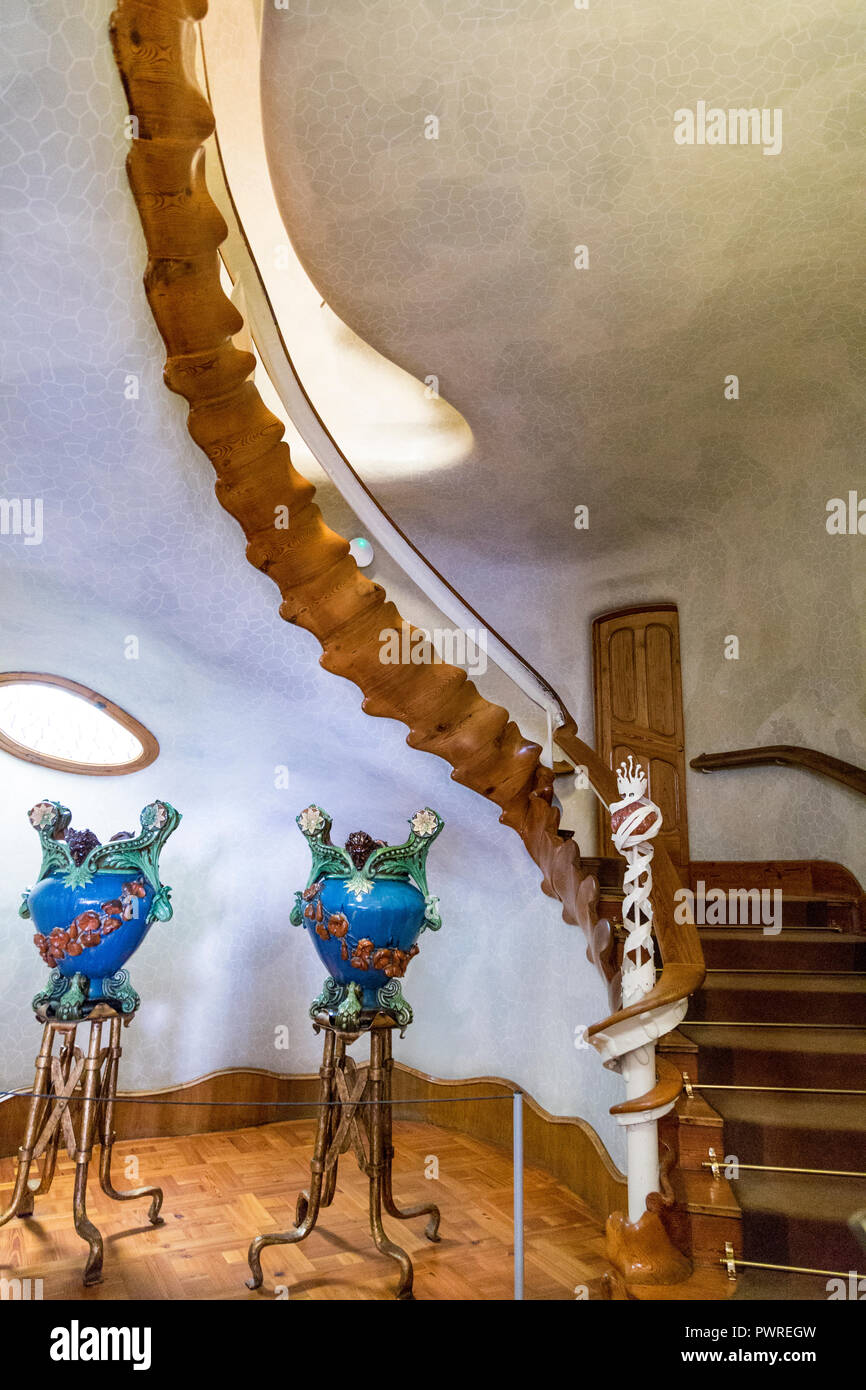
(222,1189)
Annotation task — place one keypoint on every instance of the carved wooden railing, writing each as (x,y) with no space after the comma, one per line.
(321,588)
(679,944)
(785,755)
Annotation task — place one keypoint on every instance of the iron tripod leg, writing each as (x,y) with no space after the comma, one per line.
(92,1083)
(378,1164)
(307,1210)
(108,1136)
(21,1201)
(354,1110)
(431,1230)
(83,1225)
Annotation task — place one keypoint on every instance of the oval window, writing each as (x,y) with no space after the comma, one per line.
(60,724)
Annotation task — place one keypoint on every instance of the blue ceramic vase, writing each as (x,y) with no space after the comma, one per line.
(364,908)
(92,907)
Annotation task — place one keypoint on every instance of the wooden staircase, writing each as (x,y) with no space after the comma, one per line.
(320,585)
(808,979)
(780,1011)
(775,1011)
(706,1213)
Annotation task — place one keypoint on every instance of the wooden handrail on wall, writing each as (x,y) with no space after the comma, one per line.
(321,587)
(785,755)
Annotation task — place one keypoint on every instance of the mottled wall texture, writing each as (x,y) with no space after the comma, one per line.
(136,544)
(554,128)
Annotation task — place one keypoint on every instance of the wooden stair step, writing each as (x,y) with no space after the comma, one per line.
(779,996)
(691,1129)
(800,1219)
(701,1192)
(795,1131)
(706,1215)
(695,1112)
(774,1286)
(747,949)
(838,914)
(675,1047)
(752,1054)
(798,879)
(841,915)
(676,1041)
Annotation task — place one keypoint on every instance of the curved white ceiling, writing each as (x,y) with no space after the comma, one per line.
(454,255)
(312,370)
(389,424)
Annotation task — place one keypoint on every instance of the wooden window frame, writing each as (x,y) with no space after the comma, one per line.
(149,745)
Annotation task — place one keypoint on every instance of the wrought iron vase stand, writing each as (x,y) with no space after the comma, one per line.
(354,1111)
(70,1086)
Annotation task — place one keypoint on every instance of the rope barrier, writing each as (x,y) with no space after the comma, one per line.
(211,1104)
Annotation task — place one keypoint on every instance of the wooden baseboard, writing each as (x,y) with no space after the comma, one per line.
(238,1097)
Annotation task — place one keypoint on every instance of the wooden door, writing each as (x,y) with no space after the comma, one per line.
(639,710)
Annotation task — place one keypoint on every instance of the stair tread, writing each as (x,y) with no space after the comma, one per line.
(815,896)
(675,1041)
(776,1286)
(794,1111)
(805,1196)
(727,948)
(785,981)
(785,1037)
(793,934)
(788,1218)
(694,1110)
(698,1191)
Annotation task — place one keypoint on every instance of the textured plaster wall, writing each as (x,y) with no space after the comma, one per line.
(605,386)
(136,545)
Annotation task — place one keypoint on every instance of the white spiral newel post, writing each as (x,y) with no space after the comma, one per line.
(635,821)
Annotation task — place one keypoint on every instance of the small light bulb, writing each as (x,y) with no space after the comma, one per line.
(361,552)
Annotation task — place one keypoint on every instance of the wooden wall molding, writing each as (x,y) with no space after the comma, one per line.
(566,1146)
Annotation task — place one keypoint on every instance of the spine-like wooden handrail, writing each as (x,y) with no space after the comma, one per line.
(321,587)
(785,755)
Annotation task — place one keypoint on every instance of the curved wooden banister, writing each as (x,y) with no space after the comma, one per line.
(785,755)
(321,587)
(678,942)
(665,1092)
(676,981)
